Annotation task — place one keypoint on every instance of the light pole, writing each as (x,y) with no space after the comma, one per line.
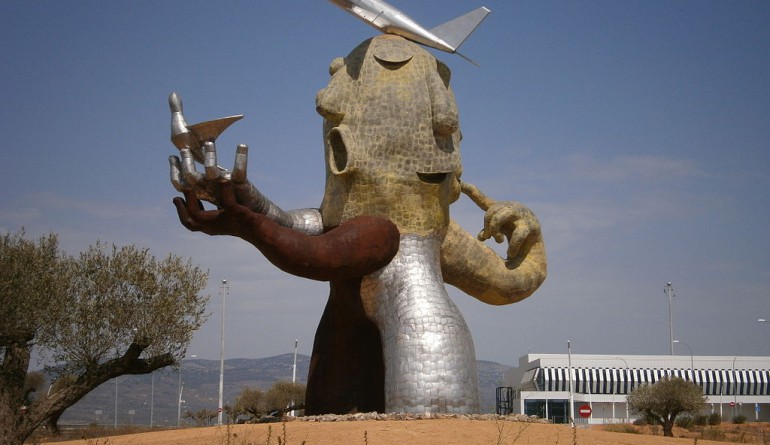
(571,395)
(181,387)
(294,372)
(224,289)
(692,360)
(116,403)
(152,397)
(735,388)
(628,382)
(669,291)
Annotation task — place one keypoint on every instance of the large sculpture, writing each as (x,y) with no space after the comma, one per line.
(390,338)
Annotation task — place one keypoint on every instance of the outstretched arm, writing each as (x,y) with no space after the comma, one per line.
(353,249)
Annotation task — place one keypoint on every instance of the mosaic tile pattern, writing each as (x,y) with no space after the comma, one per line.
(430,363)
(392,150)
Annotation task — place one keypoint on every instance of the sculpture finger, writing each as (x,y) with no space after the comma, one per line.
(177,180)
(520,233)
(497,221)
(182,206)
(241,162)
(189,172)
(210,160)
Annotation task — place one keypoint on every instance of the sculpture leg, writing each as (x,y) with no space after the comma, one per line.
(346,369)
(430,362)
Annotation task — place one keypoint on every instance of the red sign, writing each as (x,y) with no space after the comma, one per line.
(584,411)
(732,403)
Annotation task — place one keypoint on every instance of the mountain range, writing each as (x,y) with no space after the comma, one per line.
(155,398)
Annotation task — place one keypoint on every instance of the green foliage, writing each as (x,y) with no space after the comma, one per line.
(684,421)
(621,428)
(714,419)
(202,417)
(739,419)
(91,318)
(279,399)
(713,434)
(665,400)
(701,420)
(284,394)
(250,402)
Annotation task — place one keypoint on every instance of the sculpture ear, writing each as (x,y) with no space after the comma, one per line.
(443,72)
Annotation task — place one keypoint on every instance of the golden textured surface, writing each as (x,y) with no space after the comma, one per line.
(393,150)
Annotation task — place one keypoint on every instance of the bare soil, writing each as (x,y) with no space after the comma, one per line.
(425,432)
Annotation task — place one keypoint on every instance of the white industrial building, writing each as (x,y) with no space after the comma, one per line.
(540,384)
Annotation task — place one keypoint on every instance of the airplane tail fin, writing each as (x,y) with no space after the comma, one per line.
(454,32)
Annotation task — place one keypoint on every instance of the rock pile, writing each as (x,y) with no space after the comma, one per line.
(411,416)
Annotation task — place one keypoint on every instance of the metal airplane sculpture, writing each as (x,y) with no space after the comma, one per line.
(446,37)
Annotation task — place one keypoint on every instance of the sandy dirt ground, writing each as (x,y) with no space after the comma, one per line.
(372,432)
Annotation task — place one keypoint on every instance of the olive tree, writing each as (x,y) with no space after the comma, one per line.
(89,318)
(250,402)
(284,396)
(666,399)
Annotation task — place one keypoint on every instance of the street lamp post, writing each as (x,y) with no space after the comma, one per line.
(224,289)
(181,387)
(116,403)
(692,360)
(735,388)
(669,291)
(628,382)
(571,395)
(152,396)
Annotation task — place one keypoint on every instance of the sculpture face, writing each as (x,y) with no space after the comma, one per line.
(391,137)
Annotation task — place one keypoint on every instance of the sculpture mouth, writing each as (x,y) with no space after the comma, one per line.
(338,139)
(432,178)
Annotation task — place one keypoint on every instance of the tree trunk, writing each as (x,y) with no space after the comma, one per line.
(14,425)
(13,438)
(668,427)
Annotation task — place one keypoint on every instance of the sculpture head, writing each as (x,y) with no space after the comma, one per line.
(391,136)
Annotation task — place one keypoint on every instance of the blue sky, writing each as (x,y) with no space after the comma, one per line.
(639,133)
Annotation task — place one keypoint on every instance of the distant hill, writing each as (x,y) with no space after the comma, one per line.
(136,395)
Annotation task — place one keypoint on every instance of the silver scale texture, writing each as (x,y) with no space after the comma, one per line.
(430,362)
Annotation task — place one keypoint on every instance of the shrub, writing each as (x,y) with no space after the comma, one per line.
(740,418)
(713,434)
(621,428)
(700,420)
(714,419)
(684,421)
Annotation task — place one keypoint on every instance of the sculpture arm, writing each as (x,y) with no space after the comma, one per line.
(354,249)
(473,267)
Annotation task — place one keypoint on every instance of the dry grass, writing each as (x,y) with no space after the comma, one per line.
(424,432)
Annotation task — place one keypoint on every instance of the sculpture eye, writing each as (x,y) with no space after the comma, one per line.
(336,64)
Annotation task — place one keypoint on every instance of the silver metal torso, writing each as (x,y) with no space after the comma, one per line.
(430,362)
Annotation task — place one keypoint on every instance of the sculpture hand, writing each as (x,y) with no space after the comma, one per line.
(205,186)
(230,219)
(186,178)
(513,221)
